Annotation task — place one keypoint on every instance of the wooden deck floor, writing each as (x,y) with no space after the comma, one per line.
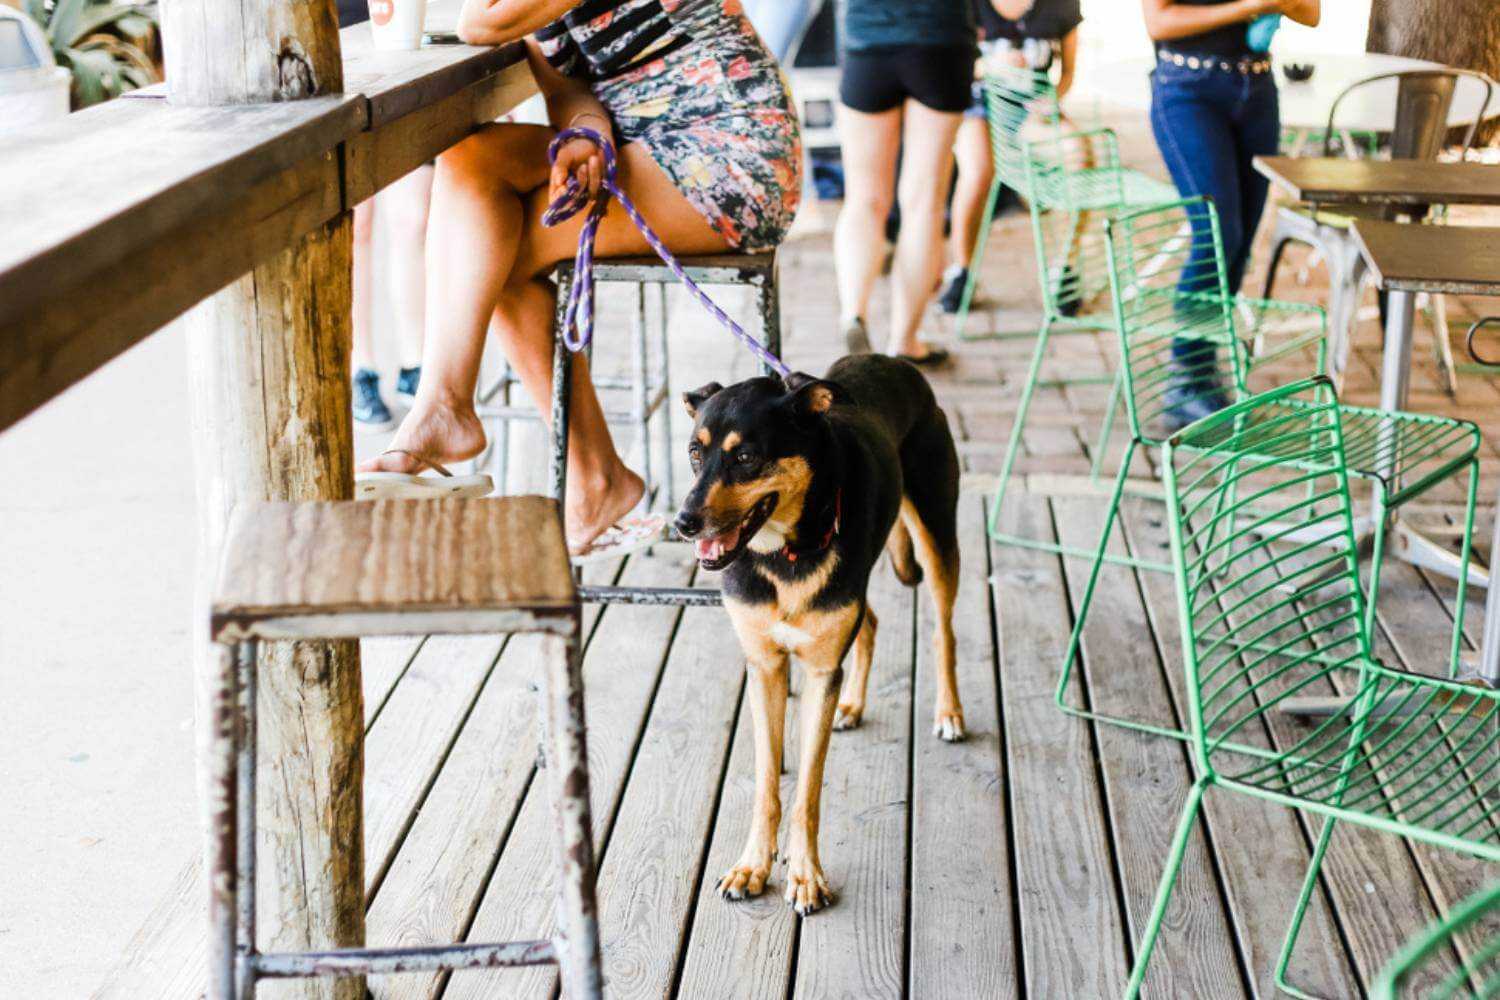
(1018,863)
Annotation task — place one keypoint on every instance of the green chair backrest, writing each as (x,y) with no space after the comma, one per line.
(1013,98)
(1172,309)
(1410,973)
(1263,550)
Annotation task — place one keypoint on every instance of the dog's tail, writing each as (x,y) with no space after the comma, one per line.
(903,559)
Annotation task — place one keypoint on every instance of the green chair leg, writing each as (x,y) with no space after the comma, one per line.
(1164,888)
(1304,896)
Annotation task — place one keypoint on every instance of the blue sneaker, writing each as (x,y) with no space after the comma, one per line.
(370,411)
(1191,400)
(406,383)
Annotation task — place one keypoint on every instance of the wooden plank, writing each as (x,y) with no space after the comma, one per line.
(620,683)
(743,950)
(1263,851)
(1072,933)
(441,873)
(153,166)
(392,557)
(407,740)
(1146,778)
(964,941)
(857,947)
(393,149)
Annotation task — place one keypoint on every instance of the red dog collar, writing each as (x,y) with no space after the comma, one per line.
(792,555)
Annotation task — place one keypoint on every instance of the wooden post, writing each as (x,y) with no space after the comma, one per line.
(269,360)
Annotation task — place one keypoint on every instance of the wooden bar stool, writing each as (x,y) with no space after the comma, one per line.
(345,570)
(758,271)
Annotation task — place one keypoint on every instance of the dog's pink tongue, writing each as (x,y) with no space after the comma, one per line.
(709,549)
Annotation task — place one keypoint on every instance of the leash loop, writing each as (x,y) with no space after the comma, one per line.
(578,316)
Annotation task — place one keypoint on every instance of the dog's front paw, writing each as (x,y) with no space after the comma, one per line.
(848,716)
(806,889)
(744,881)
(949,726)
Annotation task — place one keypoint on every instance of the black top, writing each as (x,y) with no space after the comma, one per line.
(1230,40)
(1048,20)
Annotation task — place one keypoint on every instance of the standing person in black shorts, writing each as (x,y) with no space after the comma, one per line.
(1040,35)
(907,69)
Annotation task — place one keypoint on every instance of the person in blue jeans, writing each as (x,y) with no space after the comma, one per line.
(1214,109)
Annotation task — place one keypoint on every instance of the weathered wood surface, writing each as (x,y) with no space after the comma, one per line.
(181,198)
(392,558)
(1462,260)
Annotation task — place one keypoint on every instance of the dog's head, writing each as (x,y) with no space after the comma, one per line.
(753,450)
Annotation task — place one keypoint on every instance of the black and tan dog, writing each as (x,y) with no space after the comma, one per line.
(799,486)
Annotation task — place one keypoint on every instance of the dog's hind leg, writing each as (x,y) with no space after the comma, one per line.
(766,690)
(852,701)
(938,557)
(898,546)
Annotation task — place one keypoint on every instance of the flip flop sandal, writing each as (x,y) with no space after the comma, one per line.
(629,534)
(411,486)
(935,356)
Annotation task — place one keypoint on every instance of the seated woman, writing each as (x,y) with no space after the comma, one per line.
(709,151)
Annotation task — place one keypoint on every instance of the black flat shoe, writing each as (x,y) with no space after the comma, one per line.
(934,357)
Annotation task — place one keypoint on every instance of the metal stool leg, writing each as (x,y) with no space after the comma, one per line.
(668,404)
(219,815)
(770,319)
(562,369)
(247,655)
(502,436)
(642,391)
(568,778)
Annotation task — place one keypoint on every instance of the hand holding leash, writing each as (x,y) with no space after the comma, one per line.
(572,196)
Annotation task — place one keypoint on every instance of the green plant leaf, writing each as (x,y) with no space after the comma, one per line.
(105,14)
(63,28)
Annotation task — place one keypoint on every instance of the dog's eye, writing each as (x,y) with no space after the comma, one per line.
(744,457)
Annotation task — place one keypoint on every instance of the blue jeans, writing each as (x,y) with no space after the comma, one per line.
(1209,124)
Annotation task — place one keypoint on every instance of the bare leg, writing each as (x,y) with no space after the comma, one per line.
(852,699)
(362,308)
(767,682)
(870,146)
(485,241)
(975,173)
(926,164)
(404,207)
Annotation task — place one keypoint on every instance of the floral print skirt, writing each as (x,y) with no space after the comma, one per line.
(716,116)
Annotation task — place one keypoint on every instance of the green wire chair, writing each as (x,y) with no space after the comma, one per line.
(1014,99)
(1175,323)
(1412,756)
(1477,977)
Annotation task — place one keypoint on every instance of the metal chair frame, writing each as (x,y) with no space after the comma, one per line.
(649,386)
(1480,970)
(1418,132)
(1413,756)
(1402,455)
(757,271)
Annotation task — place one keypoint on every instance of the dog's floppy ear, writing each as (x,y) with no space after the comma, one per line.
(811,397)
(693,401)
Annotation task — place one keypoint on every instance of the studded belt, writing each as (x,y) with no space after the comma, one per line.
(1245,64)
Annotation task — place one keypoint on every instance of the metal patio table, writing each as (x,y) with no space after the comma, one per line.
(1411,259)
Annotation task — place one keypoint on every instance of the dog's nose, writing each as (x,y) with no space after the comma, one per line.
(688,524)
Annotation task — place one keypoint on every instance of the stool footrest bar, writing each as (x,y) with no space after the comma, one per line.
(694,597)
(379,961)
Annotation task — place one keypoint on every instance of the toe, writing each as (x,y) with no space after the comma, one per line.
(949,727)
(847,717)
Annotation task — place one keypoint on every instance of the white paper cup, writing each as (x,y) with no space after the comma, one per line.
(397,24)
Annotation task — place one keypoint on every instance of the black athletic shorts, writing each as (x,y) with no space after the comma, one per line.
(880,79)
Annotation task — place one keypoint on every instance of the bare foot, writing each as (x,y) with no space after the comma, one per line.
(593,508)
(434,431)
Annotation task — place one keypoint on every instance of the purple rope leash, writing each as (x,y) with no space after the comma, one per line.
(578,317)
